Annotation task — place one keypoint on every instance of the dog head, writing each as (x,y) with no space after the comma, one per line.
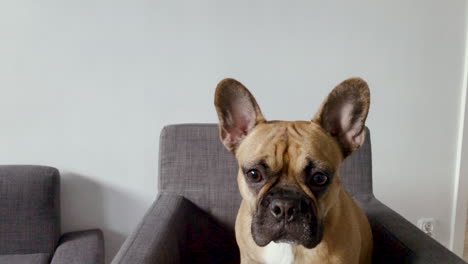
(288,171)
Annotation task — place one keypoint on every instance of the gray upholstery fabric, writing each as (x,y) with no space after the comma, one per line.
(39,258)
(356,170)
(29,209)
(80,247)
(175,231)
(396,240)
(193,163)
(152,238)
(30,220)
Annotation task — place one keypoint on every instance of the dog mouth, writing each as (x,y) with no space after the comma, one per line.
(287,216)
(307,234)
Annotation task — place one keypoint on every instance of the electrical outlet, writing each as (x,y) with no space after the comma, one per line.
(427,225)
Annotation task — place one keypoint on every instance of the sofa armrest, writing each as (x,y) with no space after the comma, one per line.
(396,240)
(29,209)
(159,234)
(80,247)
(174,230)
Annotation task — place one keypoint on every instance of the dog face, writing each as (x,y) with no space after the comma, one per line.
(288,171)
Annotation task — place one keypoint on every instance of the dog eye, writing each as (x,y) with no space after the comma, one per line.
(254,175)
(318,179)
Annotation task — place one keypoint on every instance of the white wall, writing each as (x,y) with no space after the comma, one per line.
(87,85)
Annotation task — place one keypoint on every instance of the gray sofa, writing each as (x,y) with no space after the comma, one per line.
(192,220)
(30,221)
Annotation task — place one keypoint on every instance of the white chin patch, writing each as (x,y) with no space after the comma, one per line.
(278,253)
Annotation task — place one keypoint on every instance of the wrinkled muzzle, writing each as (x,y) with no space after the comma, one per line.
(288,215)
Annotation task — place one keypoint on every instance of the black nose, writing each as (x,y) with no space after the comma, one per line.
(286,209)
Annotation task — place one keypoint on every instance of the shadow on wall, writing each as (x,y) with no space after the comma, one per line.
(87,204)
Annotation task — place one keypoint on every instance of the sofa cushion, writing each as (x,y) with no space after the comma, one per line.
(39,258)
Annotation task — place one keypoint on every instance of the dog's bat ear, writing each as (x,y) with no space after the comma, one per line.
(238,112)
(344,112)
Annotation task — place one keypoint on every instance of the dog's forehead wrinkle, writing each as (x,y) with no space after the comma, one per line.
(255,162)
(287,148)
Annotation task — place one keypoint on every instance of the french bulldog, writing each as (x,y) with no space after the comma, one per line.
(294,209)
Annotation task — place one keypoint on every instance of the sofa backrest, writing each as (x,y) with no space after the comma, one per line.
(29,209)
(194,163)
